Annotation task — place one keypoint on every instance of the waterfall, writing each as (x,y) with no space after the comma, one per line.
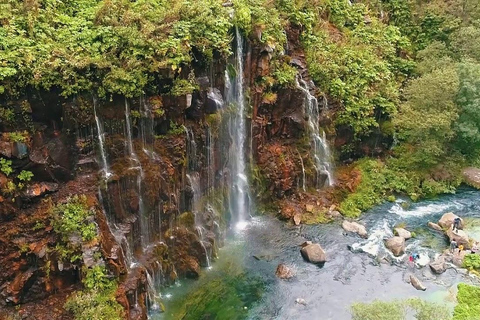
(101,142)
(303,172)
(239,199)
(320,149)
(193,178)
(142,215)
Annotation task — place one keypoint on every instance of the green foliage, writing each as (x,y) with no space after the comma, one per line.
(260,20)
(468,307)
(74,217)
(362,68)
(113,46)
(97,301)
(468,125)
(284,74)
(472,262)
(6,166)
(398,310)
(17,136)
(182,87)
(97,279)
(370,190)
(25,176)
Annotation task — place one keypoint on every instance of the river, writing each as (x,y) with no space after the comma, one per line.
(241,284)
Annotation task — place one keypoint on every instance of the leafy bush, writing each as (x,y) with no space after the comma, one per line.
(468,307)
(70,219)
(97,301)
(472,261)
(74,217)
(6,166)
(398,309)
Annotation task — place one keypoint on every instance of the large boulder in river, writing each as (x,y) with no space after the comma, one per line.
(355,228)
(446,221)
(460,237)
(401,232)
(396,245)
(283,272)
(416,283)
(438,266)
(314,253)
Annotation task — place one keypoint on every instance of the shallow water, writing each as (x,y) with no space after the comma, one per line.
(242,283)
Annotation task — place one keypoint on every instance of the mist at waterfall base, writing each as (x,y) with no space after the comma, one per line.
(242,282)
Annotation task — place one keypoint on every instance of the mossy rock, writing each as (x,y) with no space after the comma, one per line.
(187,219)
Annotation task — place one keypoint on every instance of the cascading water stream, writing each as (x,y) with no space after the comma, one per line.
(240,199)
(303,171)
(320,149)
(101,142)
(194,181)
(142,216)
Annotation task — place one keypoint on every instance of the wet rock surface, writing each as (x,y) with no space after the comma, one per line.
(396,245)
(314,253)
(355,228)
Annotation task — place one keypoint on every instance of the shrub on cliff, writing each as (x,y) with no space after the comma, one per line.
(97,301)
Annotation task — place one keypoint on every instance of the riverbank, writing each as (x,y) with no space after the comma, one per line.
(242,282)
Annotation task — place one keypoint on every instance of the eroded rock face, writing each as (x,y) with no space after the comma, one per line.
(401,232)
(447,220)
(355,228)
(314,253)
(396,245)
(284,272)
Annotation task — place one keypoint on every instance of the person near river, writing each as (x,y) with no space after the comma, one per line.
(453,245)
(456,224)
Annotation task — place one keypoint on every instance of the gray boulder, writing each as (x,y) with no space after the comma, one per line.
(314,253)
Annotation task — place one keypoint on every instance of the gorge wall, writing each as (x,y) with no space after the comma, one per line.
(162,176)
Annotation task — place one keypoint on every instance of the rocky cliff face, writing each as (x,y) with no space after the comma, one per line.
(154,223)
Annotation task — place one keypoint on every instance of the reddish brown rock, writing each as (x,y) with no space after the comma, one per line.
(284,272)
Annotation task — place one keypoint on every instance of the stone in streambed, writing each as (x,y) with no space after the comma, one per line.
(416,283)
(396,245)
(283,272)
(297,219)
(355,228)
(438,266)
(434,226)
(401,232)
(314,253)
